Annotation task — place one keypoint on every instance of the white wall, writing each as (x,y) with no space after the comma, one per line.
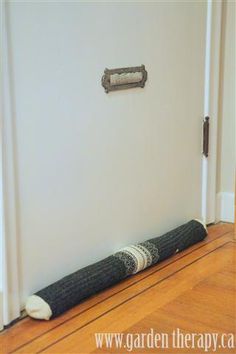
(1,221)
(226,142)
(1,189)
(1,240)
(1,245)
(95,171)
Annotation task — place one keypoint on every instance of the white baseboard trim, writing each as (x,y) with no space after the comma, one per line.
(225,207)
(1,310)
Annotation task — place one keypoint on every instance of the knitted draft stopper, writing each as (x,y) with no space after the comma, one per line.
(72,289)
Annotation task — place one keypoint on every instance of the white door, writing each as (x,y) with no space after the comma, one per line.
(97,171)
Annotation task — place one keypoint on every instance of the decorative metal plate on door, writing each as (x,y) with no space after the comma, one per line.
(124,78)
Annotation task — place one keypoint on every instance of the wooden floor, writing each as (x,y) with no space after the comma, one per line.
(194,291)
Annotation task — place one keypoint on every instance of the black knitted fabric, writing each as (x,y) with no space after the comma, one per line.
(72,289)
(178,239)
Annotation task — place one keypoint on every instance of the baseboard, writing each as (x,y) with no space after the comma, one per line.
(225,207)
(1,310)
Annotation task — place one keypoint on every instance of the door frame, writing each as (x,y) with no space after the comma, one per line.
(10,232)
(9,213)
(211,97)
(1,174)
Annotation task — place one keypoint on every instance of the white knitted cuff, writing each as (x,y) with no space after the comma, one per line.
(37,308)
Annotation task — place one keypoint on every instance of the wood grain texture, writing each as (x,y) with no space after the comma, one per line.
(184,291)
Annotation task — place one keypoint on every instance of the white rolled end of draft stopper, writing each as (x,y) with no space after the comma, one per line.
(37,308)
(203,224)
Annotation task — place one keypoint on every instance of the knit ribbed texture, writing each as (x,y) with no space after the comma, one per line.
(178,239)
(72,289)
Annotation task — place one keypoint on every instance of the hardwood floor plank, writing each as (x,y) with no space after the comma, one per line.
(38,334)
(193,316)
(134,310)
